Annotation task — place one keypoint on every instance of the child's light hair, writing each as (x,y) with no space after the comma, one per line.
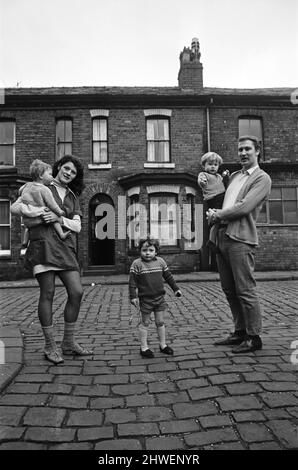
(150,241)
(211,156)
(37,168)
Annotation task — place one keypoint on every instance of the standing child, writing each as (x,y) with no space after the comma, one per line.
(37,194)
(146,283)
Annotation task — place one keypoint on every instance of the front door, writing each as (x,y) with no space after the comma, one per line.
(101,231)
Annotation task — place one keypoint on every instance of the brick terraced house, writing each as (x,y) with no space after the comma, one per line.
(141,148)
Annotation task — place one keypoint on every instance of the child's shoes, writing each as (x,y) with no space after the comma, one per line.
(167,350)
(147,353)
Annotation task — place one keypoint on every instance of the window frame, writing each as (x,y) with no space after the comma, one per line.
(260,120)
(8,251)
(282,201)
(105,119)
(168,141)
(191,216)
(134,215)
(63,142)
(177,220)
(10,144)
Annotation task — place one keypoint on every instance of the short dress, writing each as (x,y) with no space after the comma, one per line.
(46,250)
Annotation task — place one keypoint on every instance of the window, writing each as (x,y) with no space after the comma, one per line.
(189,222)
(164,219)
(158,140)
(99,140)
(4,226)
(251,126)
(134,221)
(63,137)
(7,142)
(24,237)
(281,208)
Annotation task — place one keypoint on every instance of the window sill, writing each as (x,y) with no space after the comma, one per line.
(159,165)
(163,250)
(5,254)
(263,224)
(169,249)
(99,166)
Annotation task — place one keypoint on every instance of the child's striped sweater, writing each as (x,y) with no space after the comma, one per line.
(148,278)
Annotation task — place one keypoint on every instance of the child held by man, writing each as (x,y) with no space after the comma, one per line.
(36,193)
(213,185)
(147,292)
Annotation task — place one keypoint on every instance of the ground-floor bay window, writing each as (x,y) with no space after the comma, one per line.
(164,218)
(4,227)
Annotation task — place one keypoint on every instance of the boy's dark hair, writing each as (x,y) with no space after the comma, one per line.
(151,241)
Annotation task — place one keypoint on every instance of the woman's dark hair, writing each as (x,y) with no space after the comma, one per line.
(150,241)
(77,184)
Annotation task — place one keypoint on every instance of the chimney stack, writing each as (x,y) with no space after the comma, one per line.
(191,70)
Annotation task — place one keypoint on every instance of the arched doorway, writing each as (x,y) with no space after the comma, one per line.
(101,231)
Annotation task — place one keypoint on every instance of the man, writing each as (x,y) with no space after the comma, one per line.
(236,233)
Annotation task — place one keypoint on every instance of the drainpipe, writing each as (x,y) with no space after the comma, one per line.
(208,125)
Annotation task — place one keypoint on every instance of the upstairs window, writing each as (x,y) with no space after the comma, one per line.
(99,140)
(281,208)
(249,125)
(158,140)
(7,143)
(63,137)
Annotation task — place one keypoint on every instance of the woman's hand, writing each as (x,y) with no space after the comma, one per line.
(50,217)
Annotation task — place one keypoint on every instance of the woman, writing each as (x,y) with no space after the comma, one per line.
(49,255)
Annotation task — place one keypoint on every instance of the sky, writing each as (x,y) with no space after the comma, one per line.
(244,43)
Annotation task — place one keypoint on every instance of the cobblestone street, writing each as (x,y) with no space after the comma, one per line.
(204,397)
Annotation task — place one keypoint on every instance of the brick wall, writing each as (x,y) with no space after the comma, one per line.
(280,132)
(35,138)
(278,249)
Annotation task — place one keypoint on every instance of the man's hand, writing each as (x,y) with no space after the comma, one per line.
(50,217)
(211,216)
(135,302)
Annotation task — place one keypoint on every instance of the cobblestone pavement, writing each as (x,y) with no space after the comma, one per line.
(203,397)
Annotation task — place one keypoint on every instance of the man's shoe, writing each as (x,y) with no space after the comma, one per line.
(147,353)
(167,350)
(231,340)
(248,345)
